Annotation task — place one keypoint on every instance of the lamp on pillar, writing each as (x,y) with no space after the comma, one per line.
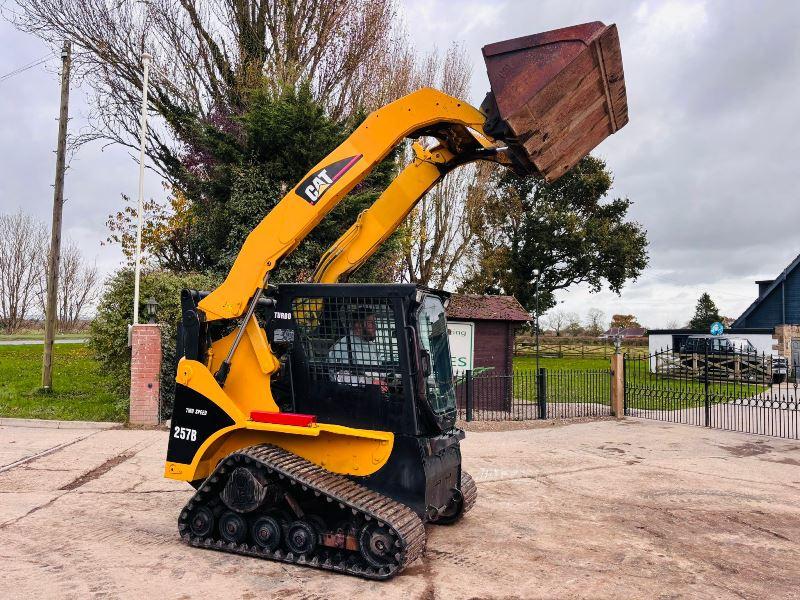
(151,307)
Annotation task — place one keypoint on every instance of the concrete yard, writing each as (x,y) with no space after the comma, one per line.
(606,509)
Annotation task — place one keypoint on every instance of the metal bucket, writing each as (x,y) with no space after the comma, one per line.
(555,95)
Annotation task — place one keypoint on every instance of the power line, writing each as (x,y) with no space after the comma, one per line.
(24,68)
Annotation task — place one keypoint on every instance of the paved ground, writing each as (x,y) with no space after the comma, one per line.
(599,509)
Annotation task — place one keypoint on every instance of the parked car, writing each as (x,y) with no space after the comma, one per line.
(722,344)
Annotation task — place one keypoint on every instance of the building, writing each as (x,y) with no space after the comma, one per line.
(778,301)
(623,332)
(771,323)
(493,321)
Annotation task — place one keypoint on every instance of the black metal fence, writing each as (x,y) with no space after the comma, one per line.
(523,395)
(747,392)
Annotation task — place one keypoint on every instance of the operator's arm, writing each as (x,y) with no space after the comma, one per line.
(325,185)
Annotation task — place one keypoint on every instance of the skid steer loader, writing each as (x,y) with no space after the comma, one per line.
(317,421)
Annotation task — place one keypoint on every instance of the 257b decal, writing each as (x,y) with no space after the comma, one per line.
(314,186)
(184,433)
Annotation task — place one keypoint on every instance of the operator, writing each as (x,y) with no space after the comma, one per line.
(359,349)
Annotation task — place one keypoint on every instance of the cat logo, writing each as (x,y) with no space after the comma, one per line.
(313,187)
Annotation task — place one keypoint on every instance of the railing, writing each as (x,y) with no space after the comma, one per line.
(524,395)
(748,393)
(567,348)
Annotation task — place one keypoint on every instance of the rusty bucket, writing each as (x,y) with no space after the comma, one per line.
(555,95)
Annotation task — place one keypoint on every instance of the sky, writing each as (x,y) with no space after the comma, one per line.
(709,157)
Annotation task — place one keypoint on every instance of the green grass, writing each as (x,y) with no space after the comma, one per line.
(528,363)
(645,391)
(79,393)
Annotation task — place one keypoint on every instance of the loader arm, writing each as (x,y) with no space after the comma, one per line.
(424,112)
(375,224)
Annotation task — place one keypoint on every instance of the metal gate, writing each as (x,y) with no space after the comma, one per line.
(736,391)
(524,395)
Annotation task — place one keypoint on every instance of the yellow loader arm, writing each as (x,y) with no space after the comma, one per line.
(424,112)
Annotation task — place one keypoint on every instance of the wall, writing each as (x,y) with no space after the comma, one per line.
(769,311)
(492,346)
(782,340)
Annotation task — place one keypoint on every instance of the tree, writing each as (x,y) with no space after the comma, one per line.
(23,252)
(594,321)
(249,94)
(108,333)
(564,229)
(77,287)
(207,56)
(555,320)
(705,313)
(624,321)
(440,232)
(573,326)
(233,178)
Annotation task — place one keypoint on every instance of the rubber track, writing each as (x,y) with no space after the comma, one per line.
(469,492)
(404,523)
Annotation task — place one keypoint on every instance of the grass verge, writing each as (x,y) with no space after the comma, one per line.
(79,391)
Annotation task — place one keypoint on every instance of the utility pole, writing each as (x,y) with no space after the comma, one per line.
(55,235)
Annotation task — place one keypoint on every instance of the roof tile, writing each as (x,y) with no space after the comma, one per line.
(480,307)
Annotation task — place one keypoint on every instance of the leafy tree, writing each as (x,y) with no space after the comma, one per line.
(624,321)
(108,335)
(234,171)
(705,313)
(564,229)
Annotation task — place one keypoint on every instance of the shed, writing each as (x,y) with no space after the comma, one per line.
(495,319)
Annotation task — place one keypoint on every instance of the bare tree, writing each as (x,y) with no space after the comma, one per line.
(209,54)
(77,287)
(555,320)
(23,250)
(440,231)
(595,320)
(573,326)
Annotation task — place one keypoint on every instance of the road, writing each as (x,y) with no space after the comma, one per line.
(606,509)
(41,342)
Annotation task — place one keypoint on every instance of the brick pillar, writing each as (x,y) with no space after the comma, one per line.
(145,374)
(617,386)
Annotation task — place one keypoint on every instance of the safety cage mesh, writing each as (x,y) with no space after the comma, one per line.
(350,341)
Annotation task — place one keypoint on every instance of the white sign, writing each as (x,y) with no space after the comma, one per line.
(462,341)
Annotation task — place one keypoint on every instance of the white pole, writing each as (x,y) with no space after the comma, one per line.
(142,140)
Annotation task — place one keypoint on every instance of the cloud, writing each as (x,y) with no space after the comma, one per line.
(709,156)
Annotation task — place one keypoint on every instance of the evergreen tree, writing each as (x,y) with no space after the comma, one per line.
(705,313)
(568,229)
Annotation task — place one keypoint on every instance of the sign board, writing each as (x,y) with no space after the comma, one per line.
(717,328)
(462,343)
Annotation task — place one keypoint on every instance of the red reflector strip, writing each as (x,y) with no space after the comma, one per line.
(282,418)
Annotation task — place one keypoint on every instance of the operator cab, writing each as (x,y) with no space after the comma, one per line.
(363,355)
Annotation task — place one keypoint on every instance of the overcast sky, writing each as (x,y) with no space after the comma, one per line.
(709,157)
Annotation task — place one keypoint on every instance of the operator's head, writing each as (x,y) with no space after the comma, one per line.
(364,325)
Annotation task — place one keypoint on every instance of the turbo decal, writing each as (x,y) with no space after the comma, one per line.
(314,186)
